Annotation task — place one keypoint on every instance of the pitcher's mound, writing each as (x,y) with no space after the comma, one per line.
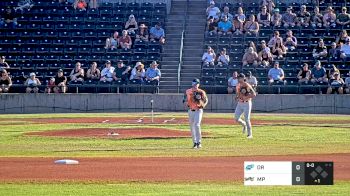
(117,133)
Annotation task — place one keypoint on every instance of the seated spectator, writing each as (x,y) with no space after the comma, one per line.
(289,19)
(5,82)
(318,74)
(227,14)
(121,72)
(264,18)
(212,26)
(316,18)
(8,18)
(223,59)
(157,33)
(251,80)
(343,18)
(341,38)
(142,33)
(208,57)
(250,57)
(265,56)
(232,83)
(113,41)
(278,49)
(225,26)
(320,50)
(138,73)
(131,25)
(291,41)
(304,17)
(270,5)
(50,85)
(276,74)
(333,71)
(93,4)
(251,27)
(80,4)
(276,36)
(60,82)
(276,18)
(329,18)
(77,74)
(153,74)
(335,85)
(240,15)
(93,74)
(3,63)
(237,27)
(347,84)
(125,40)
(334,52)
(32,84)
(213,11)
(304,74)
(107,72)
(345,49)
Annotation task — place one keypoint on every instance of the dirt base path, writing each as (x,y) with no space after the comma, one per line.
(181,169)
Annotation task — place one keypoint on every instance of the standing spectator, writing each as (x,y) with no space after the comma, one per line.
(3,63)
(107,72)
(32,83)
(252,80)
(8,18)
(157,33)
(320,50)
(125,40)
(77,74)
(269,4)
(276,74)
(276,18)
(316,18)
(60,82)
(93,74)
(212,26)
(345,49)
(304,74)
(335,85)
(227,14)
(232,83)
(5,82)
(276,36)
(251,27)
(131,25)
(250,57)
(142,33)
(291,41)
(347,84)
(225,26)
(329,17)
(279,49)
(237,27)
(343,18)
(341,38)
(113,41)
(153,74)
(138,73)
(213,11)
(334,52)
(80,4)
(264,18)
(240,15)
(208,57)
(304,17)
(265,56)
(289,18)
(318,74)
(223,59)
(121,72)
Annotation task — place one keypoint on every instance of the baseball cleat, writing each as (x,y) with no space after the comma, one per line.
(195,145)
(250,136)
(199,145)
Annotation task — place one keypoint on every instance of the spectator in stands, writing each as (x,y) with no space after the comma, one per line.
(80,4)
(316,18)
(320,50)
(291,41)
(237,27)
(232,83)
(334,51)
(341,38)
(60,82)
(250,57)
(142,33)
(304,17)
(289,18)
(138,73)
(251,27)
(208,57)
(345,49)
(107,72)
(223,59)
(240,15)
(227,14)
(213,11)
(270,5)
(278,49)
(329,17)
(304,74)
(212,26)
(276,36)
(265,56)
(50,85)
(276,18)
(335,85)
(3,63)
(318,74)
(32,83)
(77,74)
(347,84)
(264,18)
(225,26)
(333,71)
(113,41)
(125,40)
(252,44)
(93,4)
(131,25)
(121,72)
(93,74)
(276,74)
(153,74)
(157,33)
(5,81)
(343,18)
(8,18)
(251,80)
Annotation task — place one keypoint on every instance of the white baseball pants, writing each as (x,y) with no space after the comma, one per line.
(244,108)
(195,118)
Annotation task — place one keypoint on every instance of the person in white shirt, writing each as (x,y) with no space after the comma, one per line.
(251,80)
(232,83)
(213,11)
(107,72)
(223,59)
(345,49)
(208,57)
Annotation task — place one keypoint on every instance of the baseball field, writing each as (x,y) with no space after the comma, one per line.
(128,154)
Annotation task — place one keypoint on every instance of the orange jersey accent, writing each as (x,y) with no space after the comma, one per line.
(192,104)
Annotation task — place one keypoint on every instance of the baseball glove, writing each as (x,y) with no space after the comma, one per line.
(245,91)
(198,97)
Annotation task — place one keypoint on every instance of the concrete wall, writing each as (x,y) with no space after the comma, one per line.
(61,103)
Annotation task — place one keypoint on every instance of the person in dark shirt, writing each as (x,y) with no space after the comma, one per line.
(334,51)
(343,18)
(212,26)
(3,63)
(60,82)
(335,85)
(121,72)
(320,50)
(8,18)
